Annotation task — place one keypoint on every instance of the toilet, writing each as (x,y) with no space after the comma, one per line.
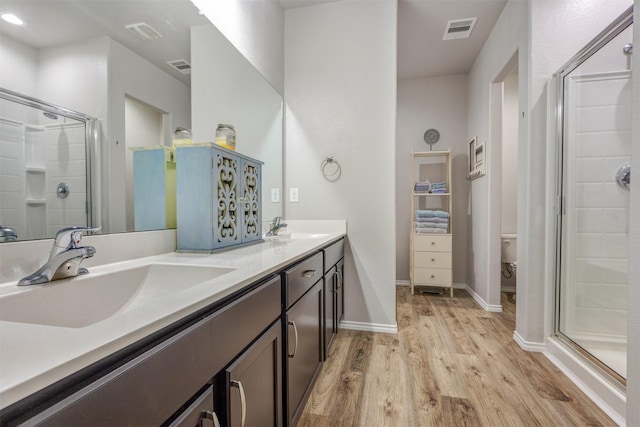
(509,262)
(509,250)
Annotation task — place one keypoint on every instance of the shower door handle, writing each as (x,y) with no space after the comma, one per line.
(623,177)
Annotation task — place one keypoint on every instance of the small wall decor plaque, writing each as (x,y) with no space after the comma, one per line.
(477,155)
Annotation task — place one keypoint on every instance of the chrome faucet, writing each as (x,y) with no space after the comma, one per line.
(7,234)
(276,225)
(65,257)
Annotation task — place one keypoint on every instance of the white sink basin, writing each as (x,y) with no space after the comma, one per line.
(84,300)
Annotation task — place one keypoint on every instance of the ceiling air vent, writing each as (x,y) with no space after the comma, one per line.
(181,65)
(459,28)
(143,31)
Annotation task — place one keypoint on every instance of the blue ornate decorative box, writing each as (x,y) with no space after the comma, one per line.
(218,198)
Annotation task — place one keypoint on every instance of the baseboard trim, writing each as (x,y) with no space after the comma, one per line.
(487,307)
(403,283)
(370,327)
(537,347)
(611,399)
(510,288)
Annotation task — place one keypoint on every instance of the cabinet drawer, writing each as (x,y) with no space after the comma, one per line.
(333,254)
(432,276)
(432,259)
(301,277)
(432,243)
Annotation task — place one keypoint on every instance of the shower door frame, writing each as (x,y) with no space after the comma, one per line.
(91,139)
(608,34)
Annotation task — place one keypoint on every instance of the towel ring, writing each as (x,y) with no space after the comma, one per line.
(330,168)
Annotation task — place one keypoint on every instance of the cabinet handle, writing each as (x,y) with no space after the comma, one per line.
(308,274)
(335,282)
(295,334)
(243,401)
(340,272)
(209,415)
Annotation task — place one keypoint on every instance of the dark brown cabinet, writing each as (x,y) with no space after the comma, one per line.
(303,324)
(252,384)
(334,293)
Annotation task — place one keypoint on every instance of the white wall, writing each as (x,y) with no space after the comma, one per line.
(239,95)
(340,96)
(21,77)
(633,335)
(441,103)
(508,38)
(256,29)
(510,154)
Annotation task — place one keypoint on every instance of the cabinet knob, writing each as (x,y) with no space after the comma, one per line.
(433,277)
(433,243)
(433,260)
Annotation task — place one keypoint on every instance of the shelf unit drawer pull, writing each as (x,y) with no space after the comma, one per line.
(243,401)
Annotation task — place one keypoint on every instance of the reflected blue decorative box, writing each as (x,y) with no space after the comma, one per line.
(218,198)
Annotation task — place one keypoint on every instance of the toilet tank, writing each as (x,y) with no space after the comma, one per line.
(509,248)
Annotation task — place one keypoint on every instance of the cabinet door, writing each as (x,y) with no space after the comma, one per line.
(199,413)
(253,383)
(339,294)
(304,349)
(250,203)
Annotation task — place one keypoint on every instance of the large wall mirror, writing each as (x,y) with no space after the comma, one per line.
(142,69)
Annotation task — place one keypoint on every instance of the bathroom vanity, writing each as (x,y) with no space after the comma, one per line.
(242,348)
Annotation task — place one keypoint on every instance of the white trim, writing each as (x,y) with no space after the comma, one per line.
(601,390)
(370,327)
(487,307)
(537,347)
(403,283)
(459,286)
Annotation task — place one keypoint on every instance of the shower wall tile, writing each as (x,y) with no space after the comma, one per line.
(604,92)
(598,169)
(592,321)
(603,119)
(12,176)
(604,144)
(600,296)
(600,245)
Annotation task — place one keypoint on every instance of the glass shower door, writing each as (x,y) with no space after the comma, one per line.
(594,220)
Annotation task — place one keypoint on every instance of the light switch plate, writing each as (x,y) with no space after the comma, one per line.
(275,195)
(293,194)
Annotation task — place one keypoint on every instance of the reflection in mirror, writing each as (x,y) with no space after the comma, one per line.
(43,167)
(88,61)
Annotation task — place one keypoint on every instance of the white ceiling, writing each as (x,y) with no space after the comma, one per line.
(421,24)
(56,22)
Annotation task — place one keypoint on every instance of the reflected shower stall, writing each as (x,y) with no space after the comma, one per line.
(45,153)
(594,153)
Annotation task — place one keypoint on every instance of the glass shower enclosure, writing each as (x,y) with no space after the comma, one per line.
(592,222)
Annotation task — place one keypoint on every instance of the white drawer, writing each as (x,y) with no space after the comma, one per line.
(432,259)
(432,243)
(432,277)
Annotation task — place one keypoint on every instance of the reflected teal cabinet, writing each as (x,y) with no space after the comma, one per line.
(218,198)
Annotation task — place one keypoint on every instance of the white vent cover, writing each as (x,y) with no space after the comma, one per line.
(143,31)
(181,65)
(459,28)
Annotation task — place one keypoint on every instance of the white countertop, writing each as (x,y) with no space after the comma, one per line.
(33,356)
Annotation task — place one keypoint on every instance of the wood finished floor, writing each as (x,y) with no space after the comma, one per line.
(451,364)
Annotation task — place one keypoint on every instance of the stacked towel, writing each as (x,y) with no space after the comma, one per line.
(422,187)
(439,187)
(431,222)
(431,214)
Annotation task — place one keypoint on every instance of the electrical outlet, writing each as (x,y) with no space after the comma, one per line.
(275,195)
(293,194)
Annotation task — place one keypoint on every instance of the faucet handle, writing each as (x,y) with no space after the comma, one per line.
(70,237)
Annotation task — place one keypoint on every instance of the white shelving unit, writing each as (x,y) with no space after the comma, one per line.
(431,226)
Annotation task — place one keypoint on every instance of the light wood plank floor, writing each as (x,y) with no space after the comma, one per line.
(451,364)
